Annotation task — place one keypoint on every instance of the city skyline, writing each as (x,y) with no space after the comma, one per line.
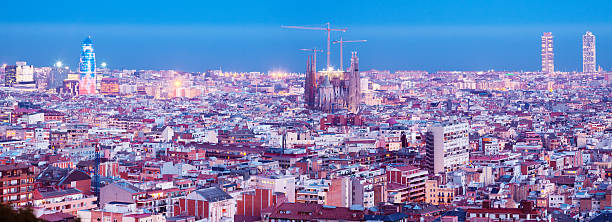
(568,51)
(346,110)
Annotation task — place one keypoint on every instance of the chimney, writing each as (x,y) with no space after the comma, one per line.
(486,204)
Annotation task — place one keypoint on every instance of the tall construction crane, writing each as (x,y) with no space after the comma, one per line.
(314,51)
(328,29)
(341,48)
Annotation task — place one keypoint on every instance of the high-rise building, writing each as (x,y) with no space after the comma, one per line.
(56,77)
(87,68)
(588,53)
(25,73)
(548,62)
(447,146)
(20,73)
(10,75)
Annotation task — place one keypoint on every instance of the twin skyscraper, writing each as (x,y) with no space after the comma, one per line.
(589,64)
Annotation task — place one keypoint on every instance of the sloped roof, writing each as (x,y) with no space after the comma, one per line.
(59,193)
(59,176)
(213,194)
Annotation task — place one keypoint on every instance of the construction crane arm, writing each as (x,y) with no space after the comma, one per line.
(312,50)
(310,28)
(350,41)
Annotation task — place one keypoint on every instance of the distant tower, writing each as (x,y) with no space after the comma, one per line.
(326,96)
(588,53)
(310,84)
(10,75)
(87,68)
(354,95)
(548,64)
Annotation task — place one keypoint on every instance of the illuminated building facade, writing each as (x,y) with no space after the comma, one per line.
(109,86)
(548,62)
(87,68)
(588,53)
(330,90)
(20,73)
(10,75)
(71,86)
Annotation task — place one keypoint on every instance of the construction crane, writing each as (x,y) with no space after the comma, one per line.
(328,29)
(341,48)
(314,51)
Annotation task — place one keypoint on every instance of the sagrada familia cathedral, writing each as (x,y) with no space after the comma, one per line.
(331,90)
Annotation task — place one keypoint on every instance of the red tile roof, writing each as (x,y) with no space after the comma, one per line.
(309,211)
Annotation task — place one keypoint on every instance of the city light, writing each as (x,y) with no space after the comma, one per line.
(221,122)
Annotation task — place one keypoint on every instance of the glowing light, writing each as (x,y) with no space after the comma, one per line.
(58,64)
(177,83)
(103,64)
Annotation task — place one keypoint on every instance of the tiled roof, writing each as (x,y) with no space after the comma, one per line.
(59,193)
(213,194)
(306,211)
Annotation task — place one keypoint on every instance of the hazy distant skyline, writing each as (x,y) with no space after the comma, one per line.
(246,35)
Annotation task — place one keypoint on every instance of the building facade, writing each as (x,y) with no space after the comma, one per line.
(330,90)
(17,184)
(447,146)
(548,64)
(10,75)
(411,177)
(87,68)
(589,63)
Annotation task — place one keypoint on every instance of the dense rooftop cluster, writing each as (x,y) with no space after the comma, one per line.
(218,146)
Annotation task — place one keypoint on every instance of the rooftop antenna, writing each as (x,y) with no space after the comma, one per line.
(97,174)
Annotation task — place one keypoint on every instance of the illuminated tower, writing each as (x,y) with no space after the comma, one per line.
(588,53)
(310,84)
(87,68)
(354,94)
(548,64)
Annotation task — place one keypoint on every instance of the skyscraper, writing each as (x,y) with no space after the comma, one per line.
(87,68)
(548,64)
(588,53)
(447,147)
(19,74)
(56,77)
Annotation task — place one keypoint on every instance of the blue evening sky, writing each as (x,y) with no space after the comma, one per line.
(246,35)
